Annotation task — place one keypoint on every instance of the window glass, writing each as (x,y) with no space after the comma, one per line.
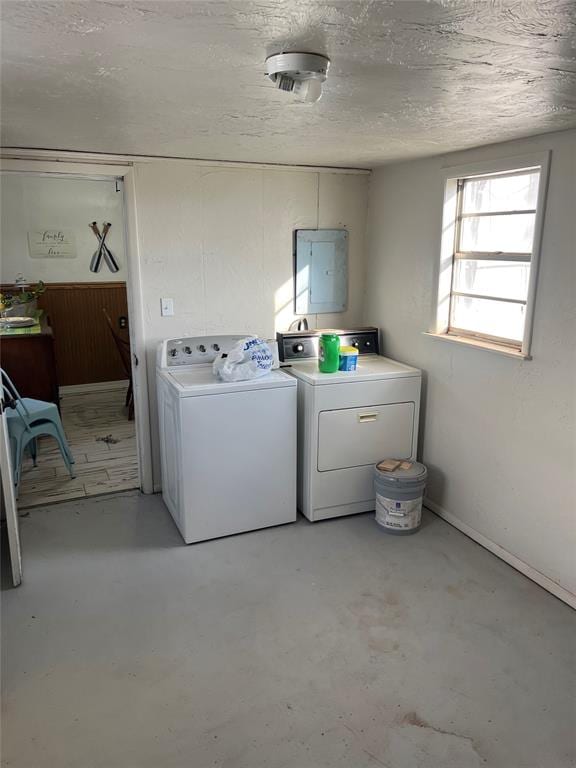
(489,226)
(510,233)
(503,279)
(501,193)
(485,316)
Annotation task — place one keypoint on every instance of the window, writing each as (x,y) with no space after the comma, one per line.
(491,231)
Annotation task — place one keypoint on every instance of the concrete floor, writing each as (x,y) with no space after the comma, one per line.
(308,646)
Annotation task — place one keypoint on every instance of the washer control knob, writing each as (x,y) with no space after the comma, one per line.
(368,343)
(298,348)
(216,347)
(172,352)
(188,350)
(201,348)
(355,343)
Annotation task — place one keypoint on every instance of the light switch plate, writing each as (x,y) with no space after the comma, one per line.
(167,307)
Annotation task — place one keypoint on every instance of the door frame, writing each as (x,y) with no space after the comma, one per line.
(9,505)
(124,172)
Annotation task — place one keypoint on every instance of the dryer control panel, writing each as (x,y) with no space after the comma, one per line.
(303,345)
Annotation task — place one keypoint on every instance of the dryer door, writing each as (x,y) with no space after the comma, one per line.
(355,437)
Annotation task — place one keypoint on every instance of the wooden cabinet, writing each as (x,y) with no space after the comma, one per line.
(30,361)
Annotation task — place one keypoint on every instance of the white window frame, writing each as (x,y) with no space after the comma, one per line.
(441,319)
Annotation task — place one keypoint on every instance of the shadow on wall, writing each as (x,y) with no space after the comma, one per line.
(434,481)
(284,306)
(436,484)
(422,422)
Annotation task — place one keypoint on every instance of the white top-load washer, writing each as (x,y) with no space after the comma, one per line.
(228,450)
(348,420)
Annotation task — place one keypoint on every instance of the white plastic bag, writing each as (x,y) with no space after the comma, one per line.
(249,358)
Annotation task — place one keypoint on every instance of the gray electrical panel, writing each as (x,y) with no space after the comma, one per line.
(321,271)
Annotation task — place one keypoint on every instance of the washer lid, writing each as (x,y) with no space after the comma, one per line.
(200,380)
(370,368)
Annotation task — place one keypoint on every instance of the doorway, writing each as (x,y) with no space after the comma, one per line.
(65,265)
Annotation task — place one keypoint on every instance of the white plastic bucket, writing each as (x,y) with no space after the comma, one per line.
(399,497)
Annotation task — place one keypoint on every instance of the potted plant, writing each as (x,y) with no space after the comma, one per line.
(22,303)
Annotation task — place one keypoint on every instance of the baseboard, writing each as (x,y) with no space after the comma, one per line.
(527,570)
(97,386)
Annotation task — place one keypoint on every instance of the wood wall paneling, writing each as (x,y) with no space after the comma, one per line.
(85,350)
(30,362)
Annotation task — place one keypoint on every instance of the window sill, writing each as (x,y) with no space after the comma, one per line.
(488,346)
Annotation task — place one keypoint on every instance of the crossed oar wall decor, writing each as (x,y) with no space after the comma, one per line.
(102,250)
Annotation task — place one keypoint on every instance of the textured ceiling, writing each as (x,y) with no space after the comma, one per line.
(185,79)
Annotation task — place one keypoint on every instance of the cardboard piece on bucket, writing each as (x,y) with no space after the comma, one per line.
(391,465)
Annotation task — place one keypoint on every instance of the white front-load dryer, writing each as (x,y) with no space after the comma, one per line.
(348,421)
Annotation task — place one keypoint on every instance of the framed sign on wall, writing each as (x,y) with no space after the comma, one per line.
(52,243)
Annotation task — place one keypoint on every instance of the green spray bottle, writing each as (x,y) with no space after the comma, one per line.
(328,353)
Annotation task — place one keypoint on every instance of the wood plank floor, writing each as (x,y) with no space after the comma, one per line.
(101,466)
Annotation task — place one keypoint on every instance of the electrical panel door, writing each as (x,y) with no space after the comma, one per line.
(321,271)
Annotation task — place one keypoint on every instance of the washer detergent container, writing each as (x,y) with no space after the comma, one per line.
(328,353)
(348,359)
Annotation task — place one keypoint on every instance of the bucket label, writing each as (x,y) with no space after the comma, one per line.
(400,515)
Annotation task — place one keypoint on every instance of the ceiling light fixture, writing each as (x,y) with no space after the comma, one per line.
(299,73)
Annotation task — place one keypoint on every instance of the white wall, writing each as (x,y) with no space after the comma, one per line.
(498,433)
(35,202)
(218,241)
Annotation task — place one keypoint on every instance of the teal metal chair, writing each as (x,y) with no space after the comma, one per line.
(28,420)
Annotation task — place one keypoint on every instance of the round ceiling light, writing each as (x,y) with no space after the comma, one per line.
(299,73)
